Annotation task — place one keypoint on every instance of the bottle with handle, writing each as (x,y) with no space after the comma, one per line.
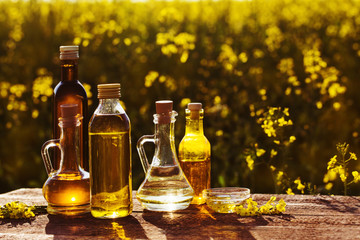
(165,187)
(67,190)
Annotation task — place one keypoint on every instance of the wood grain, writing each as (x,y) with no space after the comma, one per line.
(306,217)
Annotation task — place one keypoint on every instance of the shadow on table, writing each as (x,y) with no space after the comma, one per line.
(198,222)
(16,222)
(87,226)
(341,206)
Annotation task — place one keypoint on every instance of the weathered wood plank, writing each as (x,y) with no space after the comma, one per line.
(310,217)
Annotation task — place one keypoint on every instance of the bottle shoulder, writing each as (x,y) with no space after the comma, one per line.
(109,123)
(195,143)
(69,88)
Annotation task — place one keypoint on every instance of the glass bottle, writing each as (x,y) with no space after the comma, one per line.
(110,156)
(67,190)
(70,91)
(165,187)
(194,152)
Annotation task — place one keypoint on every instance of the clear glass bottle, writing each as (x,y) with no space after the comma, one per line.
(165,187)
(67,190)
(70,91)
(194,152)
(110,156)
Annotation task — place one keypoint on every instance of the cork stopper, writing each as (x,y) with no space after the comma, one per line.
(194,110)
(69,52)
(69,114)
(164,110)
(110,90)
(194,106)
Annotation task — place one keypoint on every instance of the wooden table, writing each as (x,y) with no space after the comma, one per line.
(306,217)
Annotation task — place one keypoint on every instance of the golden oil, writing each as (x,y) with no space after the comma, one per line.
(110,160)
(67,190)
(194,152)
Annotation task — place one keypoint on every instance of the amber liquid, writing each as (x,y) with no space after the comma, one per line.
(110,166)
(67,194)
(198,175)
(71,91)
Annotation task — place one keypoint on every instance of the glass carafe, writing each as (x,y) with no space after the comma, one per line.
(165,187)
(67,190)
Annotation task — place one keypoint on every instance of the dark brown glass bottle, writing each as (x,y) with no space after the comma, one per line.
(70,91)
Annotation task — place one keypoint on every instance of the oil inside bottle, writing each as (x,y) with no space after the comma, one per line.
(194,152)
(165,187)
(198,175)
(67,195)
(110,166)
(67,190)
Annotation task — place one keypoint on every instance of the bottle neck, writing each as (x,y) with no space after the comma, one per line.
(165,151)
(109,106)
(70,148)
(194,122)
(69,70)
(194,127)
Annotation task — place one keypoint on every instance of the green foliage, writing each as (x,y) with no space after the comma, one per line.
(247,62)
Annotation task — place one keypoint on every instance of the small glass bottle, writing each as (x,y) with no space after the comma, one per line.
(110,156)
(165,187)
(67,190)
(194,152)
(70,91)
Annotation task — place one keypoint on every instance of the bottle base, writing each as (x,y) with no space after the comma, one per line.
(198,200)
(68,210)
(169,207)
(164,203)
(103,214)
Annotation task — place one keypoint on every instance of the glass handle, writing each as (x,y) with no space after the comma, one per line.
(141,150)
(45,153)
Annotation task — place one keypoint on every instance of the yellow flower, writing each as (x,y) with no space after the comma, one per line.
(329,186)
(250,162)
(289,191)
(253,210)
(260,152)
(353,156)
(343,177)
(17,210)
(356,176)
(332,162)
(300,186)
(280,207)
(272,168)
(273,153)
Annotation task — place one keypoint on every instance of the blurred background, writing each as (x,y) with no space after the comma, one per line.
(278,79)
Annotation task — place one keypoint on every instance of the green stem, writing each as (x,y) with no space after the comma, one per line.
(344,163)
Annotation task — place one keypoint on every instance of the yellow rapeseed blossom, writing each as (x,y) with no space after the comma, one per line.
(269,208)
(332,162)
(356,176)
(243,57)
(289,192)
(17,210)
(150,78)
(42,87)
(300,186)
(4,88)
(273,153)
(250,162)
(184,102)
